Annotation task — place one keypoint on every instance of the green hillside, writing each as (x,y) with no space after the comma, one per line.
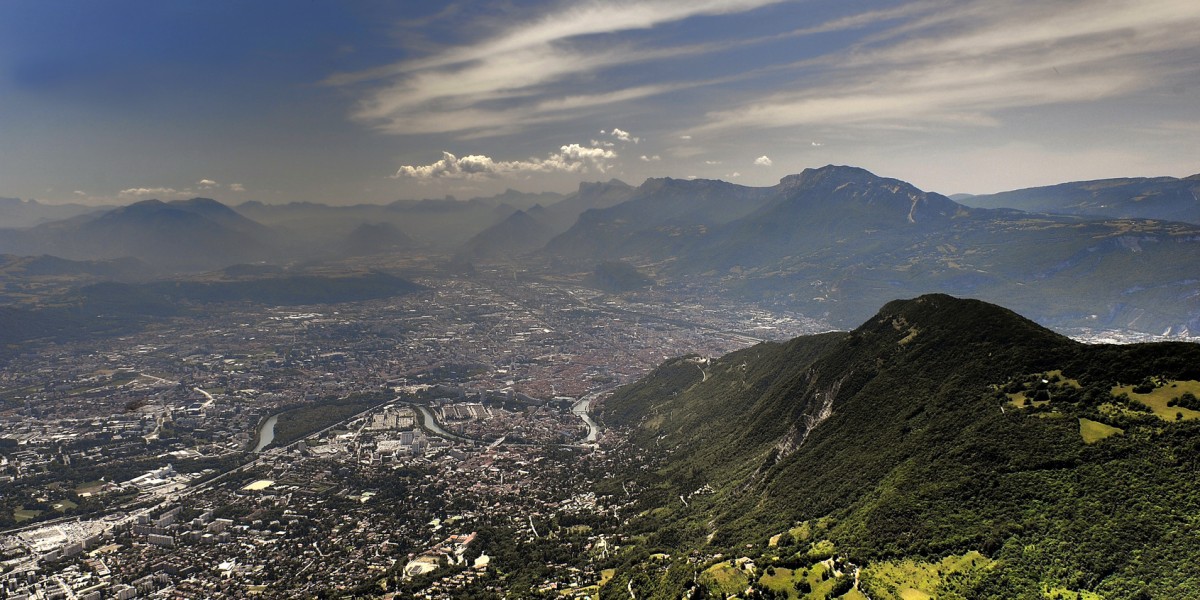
(938,429)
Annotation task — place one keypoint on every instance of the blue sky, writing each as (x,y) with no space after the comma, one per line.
(371,101)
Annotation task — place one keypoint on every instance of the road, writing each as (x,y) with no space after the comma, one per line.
(208,402)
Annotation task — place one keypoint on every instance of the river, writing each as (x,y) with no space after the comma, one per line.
(431,424)
(266,433)
(581,410)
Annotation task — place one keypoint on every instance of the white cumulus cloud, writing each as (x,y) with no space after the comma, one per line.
(622,135)
(571,158)
(206,183)
(645,158)
(142,192)
(237,187)
(577,153)
(763,161)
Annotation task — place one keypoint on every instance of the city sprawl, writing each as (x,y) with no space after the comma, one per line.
(371,446)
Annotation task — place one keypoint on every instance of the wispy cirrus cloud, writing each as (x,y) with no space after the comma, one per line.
(520,75)
(966,63)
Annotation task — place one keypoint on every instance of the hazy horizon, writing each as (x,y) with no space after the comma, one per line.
(566,191)
(110,103)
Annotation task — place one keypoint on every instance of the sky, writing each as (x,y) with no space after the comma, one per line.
(366,101)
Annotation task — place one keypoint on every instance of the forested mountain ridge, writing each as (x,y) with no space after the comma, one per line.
(1166,198)
(939,428)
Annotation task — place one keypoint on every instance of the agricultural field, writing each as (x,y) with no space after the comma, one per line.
(819,578)
(1158,398)
(90,487)
(64,505)
(1094,431)
(725,578)
(918,580)
(23,514)
(1050,379)
(1061,593)
(800,533)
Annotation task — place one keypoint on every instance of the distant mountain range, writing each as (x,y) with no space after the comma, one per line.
(201,234)
(837,241)
(437,224)
(17,213)
(527,230)
(1163,198)
(832,242)
(518,234)
(187,234)
(938,427)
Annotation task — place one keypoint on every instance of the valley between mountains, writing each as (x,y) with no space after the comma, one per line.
(683,388)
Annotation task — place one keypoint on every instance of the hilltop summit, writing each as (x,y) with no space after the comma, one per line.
(930,430)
